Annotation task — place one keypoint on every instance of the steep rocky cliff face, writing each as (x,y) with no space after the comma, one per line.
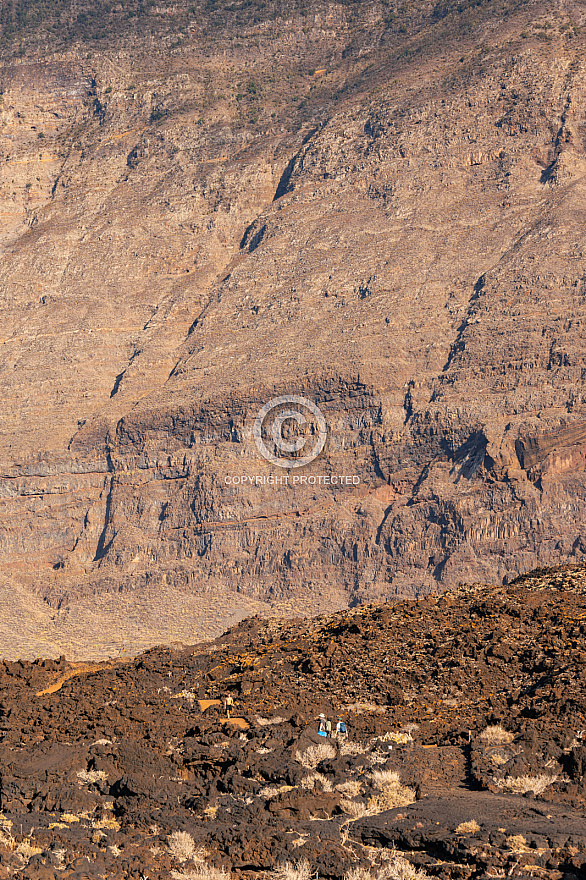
(380,210)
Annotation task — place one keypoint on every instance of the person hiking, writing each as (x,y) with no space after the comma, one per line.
(322,725)
(341,729)
(228,704)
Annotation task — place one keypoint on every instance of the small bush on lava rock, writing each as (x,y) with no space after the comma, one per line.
(470,827)
(201,872)
(395,868)
(353,748)
(381,778)
(181,846)
(314,755)
(523,784)
(392,793)
(87,777)
(390,797)
(495,734)
(288,871)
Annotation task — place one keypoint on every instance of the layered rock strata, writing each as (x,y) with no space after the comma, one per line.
(402,244)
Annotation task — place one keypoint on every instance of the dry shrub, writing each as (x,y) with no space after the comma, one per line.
(186,695)
(381,778)
(392,793)
(288,871)
(495,734)
(270,791)
(314,755)
(310,781)
(27,850)
(108,822)
(470,827)
(390,797)
(263,722)
(378,758)
(352,748)
(517,842)
(87,777)
(201,872)
(7,841)
(396,736)
(181,846)
(523,784)
(354,809)
(59,855)
(499,759)
(352,788)
(395,868)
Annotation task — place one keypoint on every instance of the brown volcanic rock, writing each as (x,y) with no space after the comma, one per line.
(128,741)
(510,831)
(404,246)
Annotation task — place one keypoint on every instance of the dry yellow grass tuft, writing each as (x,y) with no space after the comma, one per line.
(354,809)
(396,867)
(314,755)
(201,872)
(181,846)
(470,827)
(292,871)
(495,734)
(391,794)
(517,842)
(109,823)
(87,777)
(7,841)
(270,791)
(397,736)
(309,782)
(381,778)
(27,850)
(523,784)
(351,788)
(390,797)
(353,748)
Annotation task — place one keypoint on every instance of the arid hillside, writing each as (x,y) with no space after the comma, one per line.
(464,755)
(376,207)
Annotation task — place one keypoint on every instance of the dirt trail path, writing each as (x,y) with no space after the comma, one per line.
(77,669)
